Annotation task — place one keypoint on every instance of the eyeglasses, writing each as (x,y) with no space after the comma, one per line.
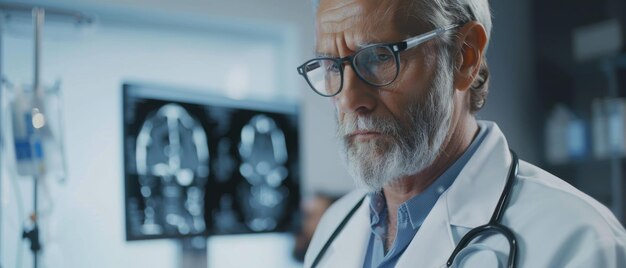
(377,65)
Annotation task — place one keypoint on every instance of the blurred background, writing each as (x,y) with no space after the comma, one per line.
(179,134)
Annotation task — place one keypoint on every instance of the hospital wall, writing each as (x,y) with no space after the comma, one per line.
(512,95)
(198,44)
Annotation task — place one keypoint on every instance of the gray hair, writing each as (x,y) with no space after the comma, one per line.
(441,13)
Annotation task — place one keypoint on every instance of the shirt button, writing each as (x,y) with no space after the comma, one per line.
(441,189)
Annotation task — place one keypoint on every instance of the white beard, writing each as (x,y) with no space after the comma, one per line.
(402,150)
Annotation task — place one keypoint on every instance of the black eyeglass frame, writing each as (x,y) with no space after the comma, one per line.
(395,48)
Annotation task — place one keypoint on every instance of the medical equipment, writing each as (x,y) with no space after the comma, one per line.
(493,226)
(34,131)
(32,141)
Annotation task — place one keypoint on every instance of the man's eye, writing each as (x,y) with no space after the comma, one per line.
(383,57)
(375,58)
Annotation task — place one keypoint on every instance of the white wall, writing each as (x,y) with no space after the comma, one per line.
(190,49)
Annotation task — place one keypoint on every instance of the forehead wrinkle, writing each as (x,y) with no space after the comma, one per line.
(325,45)
(368,33)
(340,18)
(358,23)
(385,15)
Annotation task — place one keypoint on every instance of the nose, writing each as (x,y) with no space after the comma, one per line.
(356,96)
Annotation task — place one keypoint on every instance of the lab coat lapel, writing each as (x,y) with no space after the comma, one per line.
(473,196)
(469,202)
(432,244)
(348,249)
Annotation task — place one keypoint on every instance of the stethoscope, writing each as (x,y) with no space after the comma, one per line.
(494,226)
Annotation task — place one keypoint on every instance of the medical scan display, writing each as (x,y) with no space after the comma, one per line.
(196,164)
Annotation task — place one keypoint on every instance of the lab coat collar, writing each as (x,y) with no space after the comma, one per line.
(469,202)
(472,198)
(348,249)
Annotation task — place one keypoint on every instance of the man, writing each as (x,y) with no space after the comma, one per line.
(406,78)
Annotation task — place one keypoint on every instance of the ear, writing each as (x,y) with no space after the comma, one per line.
(472,42)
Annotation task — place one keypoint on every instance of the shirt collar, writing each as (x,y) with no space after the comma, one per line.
(377,207)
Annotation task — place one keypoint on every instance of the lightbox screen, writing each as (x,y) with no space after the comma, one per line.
(197,164)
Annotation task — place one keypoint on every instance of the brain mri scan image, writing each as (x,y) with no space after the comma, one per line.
(173,165)
(264,154)
(197,165)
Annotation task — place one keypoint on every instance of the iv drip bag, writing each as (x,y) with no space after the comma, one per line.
(34,131)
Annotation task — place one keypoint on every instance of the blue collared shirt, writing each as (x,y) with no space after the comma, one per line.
(411,214)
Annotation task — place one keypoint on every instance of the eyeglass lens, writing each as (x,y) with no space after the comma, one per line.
(324,76)
(375,65)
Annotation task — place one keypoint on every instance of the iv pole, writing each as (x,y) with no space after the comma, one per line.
(1,136)
(33,234)
(38,15)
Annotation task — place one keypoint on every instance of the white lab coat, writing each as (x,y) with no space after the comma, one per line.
(555,224)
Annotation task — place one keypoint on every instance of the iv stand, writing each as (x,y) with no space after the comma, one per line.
(33,233)
(1,127)
(38,15)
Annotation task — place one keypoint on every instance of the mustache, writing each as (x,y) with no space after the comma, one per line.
(370,123)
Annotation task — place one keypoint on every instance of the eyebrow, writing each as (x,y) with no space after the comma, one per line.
(363,45)
(360,46)
(324,55)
